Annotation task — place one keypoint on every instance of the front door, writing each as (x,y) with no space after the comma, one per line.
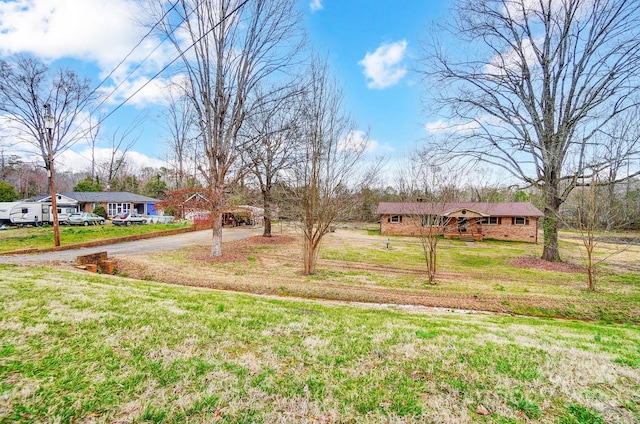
(462,225)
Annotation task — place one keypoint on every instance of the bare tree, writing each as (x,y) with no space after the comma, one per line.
(544,78)
(329,163)
(26,85)
(44,111)
(228,49)
(273,124)
(92,136)
(121,142)
(431,184)
(179,121)
(587,223)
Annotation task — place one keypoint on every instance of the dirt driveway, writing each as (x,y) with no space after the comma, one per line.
(153,245)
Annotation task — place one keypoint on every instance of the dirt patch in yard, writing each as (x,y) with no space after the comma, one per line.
(537,263)
(240,250)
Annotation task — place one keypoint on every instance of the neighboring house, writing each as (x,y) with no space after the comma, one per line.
(195,208)
(516,221)
(114,202)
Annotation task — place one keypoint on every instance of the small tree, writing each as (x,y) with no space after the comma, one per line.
(328,165)
(432,183)
(7,192)
(587,221)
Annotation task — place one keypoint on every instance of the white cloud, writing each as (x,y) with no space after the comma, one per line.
(442,127)
(358,140)
(89,30)
(511,60)
(154,92)
(383,67)
(315,5)
(79,160)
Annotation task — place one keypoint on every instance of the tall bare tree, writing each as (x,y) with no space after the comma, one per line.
(274,126)
(121,142)
(44,108)
(92,136)
(542,79)
(229,48)
(179,121)
(26,85)
(328,165)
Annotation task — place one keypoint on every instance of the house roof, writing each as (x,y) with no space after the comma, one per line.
(483,208)
(62,199)
(108,197)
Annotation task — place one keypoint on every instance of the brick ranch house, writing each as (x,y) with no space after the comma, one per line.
(517,221)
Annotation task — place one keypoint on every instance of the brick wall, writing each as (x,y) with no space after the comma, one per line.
(509,231)
(410,226)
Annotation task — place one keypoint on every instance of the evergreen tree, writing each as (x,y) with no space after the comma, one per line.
(7,192)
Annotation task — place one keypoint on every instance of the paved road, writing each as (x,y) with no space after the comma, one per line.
(158,244)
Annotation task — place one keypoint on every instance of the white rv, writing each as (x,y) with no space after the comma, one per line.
(34,213)
(22,213)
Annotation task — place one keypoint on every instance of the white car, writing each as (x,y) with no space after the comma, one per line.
(129,219)
(84,218)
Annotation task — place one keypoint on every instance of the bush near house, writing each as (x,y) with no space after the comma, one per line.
(100,210)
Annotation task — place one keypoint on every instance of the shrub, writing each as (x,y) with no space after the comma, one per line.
(171,211)
(99,210)
(7,192)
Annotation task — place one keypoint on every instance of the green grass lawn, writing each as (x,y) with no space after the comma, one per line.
(42,237)
(77,347)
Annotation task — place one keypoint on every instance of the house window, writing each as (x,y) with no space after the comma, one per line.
(432,221)
(520,221)
(118,208)
(489,220)
(395,219)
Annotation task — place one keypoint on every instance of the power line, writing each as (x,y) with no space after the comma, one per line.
(104,80)
(181,54)
(173,61)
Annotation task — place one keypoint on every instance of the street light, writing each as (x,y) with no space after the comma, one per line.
(49,125)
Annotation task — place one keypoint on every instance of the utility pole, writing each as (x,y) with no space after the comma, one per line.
(49,125)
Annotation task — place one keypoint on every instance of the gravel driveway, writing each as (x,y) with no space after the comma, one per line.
(157,244)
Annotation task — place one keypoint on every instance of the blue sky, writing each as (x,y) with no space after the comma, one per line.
(349,31)
(371,45)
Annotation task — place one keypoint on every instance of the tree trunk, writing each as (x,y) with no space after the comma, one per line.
(310,254)
(550,251)
(216,221)
(432,264)
(266,197)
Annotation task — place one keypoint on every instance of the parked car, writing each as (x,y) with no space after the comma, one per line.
(84,218)
(129,219)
